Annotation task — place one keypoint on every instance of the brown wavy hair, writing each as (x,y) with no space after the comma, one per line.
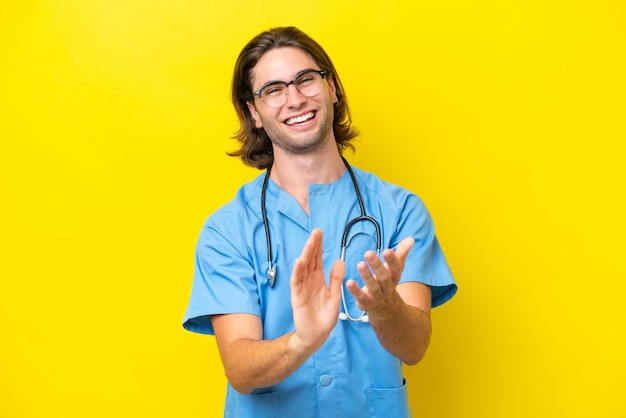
(255,146)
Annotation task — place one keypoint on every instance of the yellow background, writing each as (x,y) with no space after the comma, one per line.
(507,118)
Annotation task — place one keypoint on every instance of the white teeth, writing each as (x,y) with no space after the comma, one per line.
(300,119)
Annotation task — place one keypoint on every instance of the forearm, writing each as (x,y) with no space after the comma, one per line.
(250,361)
(250,364)
(402,329)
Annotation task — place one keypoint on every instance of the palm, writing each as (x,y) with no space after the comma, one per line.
(315,306)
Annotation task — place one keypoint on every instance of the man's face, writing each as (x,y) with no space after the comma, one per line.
(303,123)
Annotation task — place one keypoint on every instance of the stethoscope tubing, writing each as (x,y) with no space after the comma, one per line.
(271,267)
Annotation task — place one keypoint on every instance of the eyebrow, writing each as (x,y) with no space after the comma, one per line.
(284,82)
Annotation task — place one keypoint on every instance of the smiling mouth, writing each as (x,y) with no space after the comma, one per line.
(300,119)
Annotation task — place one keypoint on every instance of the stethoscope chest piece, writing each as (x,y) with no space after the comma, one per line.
(271,274)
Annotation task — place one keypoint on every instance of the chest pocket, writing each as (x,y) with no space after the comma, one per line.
(385,403)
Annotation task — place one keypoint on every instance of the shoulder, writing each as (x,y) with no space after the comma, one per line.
(387,193)
(236,215)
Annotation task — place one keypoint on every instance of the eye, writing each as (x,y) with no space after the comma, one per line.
(273,90)
(306,79)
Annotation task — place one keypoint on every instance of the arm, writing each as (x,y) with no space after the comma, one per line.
(399,314)
(251,362)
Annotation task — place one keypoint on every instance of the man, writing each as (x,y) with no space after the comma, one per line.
(310,320)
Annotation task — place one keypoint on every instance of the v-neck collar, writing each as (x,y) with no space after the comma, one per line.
(281,201)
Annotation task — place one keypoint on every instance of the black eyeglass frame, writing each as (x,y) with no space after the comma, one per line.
(322,73)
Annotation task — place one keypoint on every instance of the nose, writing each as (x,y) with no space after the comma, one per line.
(294,97)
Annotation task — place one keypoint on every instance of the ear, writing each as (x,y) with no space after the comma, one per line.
(333,90)
(255,115)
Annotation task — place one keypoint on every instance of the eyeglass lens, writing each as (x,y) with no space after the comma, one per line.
(308,83)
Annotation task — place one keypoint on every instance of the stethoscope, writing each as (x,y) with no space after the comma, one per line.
(271,267)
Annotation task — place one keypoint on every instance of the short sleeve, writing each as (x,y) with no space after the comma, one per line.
(426,262)
(224,279)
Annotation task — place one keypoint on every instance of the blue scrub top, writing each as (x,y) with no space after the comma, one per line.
(351,375)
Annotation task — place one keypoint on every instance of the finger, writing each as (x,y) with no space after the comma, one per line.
(395,259)
(337,274)
(316,236)
(362,299)
(381,273)
(402,250)
(297,274)
(393,264)
(398,256)
(302,264)
(372,260)
(312,247)
(371,281)
(312,252)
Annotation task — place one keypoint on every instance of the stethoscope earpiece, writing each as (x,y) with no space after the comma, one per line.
(362,318)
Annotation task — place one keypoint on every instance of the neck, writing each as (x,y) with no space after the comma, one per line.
(294,173)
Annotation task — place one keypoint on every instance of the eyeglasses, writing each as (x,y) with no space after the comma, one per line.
(308,83)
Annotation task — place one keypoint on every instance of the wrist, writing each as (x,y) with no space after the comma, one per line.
(296,347)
